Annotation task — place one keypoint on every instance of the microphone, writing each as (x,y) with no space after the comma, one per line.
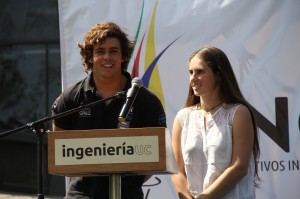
(136,84)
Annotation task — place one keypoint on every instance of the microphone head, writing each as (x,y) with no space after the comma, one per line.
(137,81)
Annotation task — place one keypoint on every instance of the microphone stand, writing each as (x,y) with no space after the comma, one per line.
(38,127)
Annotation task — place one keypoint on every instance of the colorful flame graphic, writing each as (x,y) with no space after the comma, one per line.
(151,78)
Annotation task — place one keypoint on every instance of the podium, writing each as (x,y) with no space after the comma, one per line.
(113,152)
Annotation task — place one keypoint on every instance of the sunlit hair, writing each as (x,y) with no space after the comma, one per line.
(97,35)
(229,89)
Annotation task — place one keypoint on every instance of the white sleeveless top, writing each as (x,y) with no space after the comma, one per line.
(207,153)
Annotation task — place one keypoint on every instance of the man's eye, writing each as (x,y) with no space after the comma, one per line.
(100,52)
(115,51)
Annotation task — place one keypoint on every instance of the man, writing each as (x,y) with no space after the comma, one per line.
(106,52)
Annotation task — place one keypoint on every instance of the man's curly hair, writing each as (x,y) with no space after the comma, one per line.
(97,35)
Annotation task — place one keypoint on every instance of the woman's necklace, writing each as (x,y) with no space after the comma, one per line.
(207,112)
(210,109)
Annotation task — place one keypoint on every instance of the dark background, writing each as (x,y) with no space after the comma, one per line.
(30,80)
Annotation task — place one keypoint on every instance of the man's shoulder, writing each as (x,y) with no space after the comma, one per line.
(75,93)
(146,94)
(77,87)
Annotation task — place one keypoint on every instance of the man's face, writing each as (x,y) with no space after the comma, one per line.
(107,58)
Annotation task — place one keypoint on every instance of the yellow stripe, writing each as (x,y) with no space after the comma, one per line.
(154,83)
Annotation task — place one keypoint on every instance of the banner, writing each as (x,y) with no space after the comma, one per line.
(260,38)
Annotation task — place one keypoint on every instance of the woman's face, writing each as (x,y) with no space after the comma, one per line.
(202,79)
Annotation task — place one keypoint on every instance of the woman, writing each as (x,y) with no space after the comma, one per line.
(215,136)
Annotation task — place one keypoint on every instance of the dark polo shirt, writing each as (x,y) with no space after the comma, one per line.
(147,111)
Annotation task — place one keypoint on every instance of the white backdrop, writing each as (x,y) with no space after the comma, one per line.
(261,39)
